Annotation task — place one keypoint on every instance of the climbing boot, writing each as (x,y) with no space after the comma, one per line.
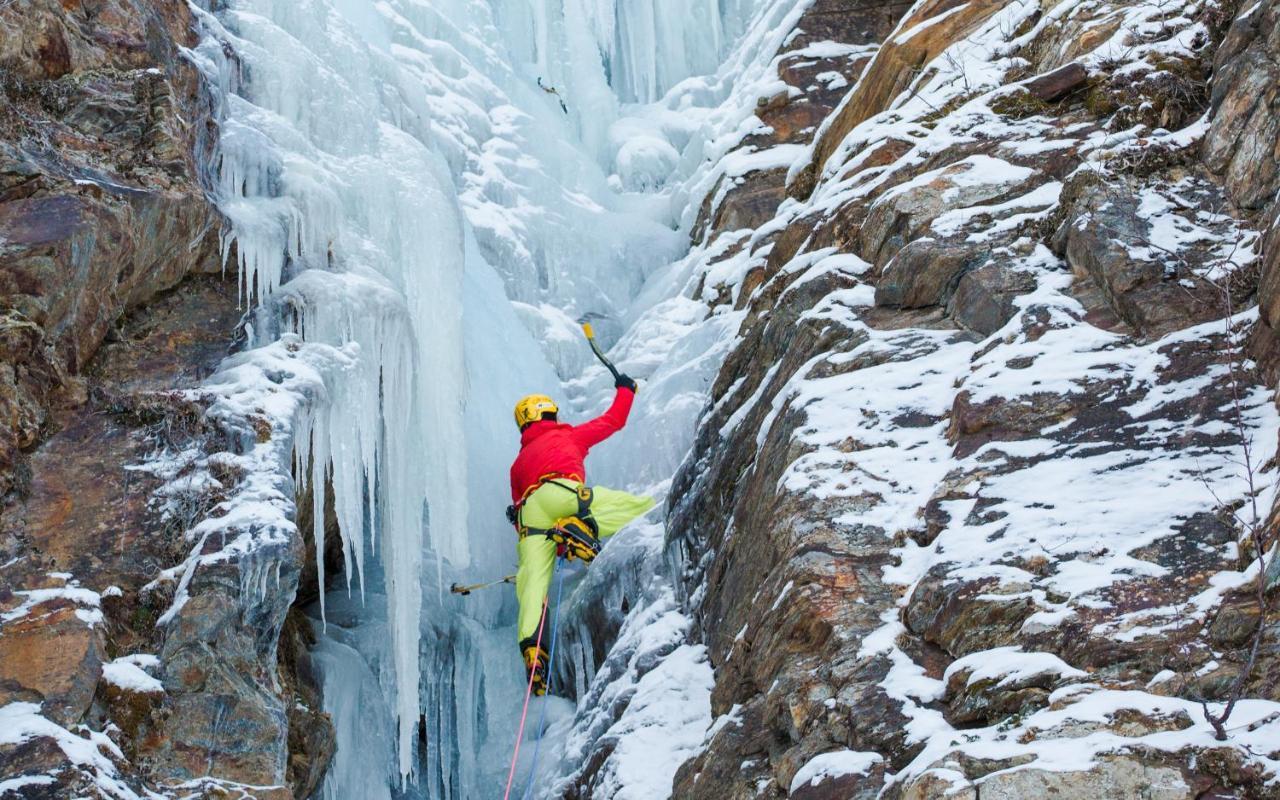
(535,666)
(577,539)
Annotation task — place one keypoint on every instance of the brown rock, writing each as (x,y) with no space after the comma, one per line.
(793,671)
(894,66)
(105,142)
(987,702)
(965,617)
(983,300)
(1103,238)
(1119,777)
(83,509)
(102,191)
(906,213)
(926,272)
(844,787)
(751,202)
(1243,143)
(856,22)
(794,116)
(999,420)
(52,657)
(935,786)
(1054,86)
(221,706)
(41,756)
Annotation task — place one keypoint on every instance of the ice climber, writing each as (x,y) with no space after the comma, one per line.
(553,509)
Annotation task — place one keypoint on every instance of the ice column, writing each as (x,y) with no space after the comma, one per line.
(358,217)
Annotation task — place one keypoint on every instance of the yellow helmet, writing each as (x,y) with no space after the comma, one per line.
(533,408)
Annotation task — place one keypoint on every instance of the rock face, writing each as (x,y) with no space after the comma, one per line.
(826,53)
(104,148)
(1242,144)
(111,302)
(1242,140)
(1105,240)
(992,273)
(896,62)
(909,531)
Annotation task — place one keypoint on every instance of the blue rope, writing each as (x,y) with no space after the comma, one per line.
(546,701)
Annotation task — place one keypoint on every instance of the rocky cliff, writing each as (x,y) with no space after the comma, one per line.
(977,505)
(113,302)
(981,503)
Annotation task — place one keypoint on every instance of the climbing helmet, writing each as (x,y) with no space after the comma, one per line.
(533,408)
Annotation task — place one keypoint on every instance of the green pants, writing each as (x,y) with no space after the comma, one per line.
(611,508)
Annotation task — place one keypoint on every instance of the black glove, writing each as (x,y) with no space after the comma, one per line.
(624,382)
(513,515)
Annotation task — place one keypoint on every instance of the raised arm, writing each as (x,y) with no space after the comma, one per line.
(592,433)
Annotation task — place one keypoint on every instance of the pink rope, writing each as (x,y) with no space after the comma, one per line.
(511,776)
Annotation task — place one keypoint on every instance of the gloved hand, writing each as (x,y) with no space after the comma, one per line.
(624,382)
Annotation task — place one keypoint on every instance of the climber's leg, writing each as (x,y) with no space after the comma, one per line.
(533,579)
(613,508)
(538,553)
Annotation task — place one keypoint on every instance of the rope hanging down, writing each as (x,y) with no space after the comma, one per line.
(542,715)
(528,692)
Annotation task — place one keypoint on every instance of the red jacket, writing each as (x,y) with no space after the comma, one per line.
(555,448)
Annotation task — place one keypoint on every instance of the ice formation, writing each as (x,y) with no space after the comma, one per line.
(436,192)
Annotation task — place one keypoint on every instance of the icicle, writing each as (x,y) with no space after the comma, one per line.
(362,180)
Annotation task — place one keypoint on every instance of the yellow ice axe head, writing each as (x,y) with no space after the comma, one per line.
(595,348)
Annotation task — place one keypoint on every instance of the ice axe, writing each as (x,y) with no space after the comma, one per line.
(595,348)
(458,588)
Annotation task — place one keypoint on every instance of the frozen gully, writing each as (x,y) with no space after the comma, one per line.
(384,168)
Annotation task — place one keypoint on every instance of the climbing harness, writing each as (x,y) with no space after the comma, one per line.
(528,692)
(577,537)
(458,588)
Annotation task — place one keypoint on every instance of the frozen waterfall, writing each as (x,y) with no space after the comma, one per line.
(444,186)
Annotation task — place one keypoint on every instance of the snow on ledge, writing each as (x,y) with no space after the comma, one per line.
(22,722)
(1009,665)
(277,384)
(89,602)
(835,764)
(129,673)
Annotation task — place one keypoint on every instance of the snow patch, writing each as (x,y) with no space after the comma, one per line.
(129,673)
(834,765)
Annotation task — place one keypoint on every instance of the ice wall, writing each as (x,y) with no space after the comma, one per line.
(638,686)
(644,47)
(446,186)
